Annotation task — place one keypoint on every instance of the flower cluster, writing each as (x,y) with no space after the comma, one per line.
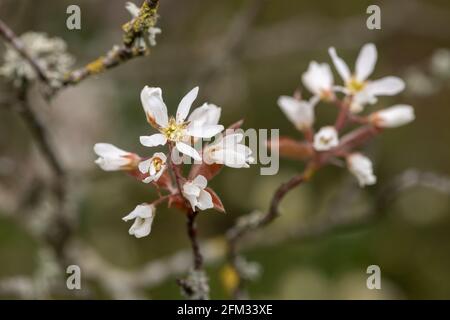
(358,91)
(50,53)
(162,170)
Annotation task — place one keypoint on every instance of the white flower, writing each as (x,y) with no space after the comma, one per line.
(50,53)
(229,151)
(326,139)
(299,112)
(392,117)
(176,130)
(151,32)
(154,166)
(194,192)
(143,216)
(112,158)
(318,79)
(361,167)
(358,85)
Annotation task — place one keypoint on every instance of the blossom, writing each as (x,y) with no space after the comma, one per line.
(112,158)
(194,191)
(143,216)
(326,139)
(229,151)
(151,32)
(363,90)
(393,117)
(299,112)
(50,53)
(319,80)
(154,166)
(361,167)
(175,130)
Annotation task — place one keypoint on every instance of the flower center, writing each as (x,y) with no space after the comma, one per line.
(157,164)
(174,131)
(355,85)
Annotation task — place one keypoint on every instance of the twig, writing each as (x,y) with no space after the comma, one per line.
(192,232)
(120,53)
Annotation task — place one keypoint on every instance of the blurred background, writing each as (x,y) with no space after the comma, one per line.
(243,55)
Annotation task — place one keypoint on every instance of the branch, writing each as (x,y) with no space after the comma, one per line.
(250,223)
(119,54)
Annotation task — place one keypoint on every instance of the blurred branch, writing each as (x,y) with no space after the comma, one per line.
(11,38)
(334,219)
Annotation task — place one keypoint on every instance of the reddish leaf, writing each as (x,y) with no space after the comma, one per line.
(218,205)
(291,148)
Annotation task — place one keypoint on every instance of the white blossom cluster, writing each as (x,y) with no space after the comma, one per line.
(50,53)
(359,91)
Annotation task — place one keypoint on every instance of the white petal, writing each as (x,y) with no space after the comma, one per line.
(132,9)
(204,201)
(192,200)
(200,181)
(141,210)
(230,158)
(185,105)
(206,131)
(393,117)
(112,164)
(361,167)
(188,150)
(154,140)
(109,150)
(141,227)
(366,62)
(318,78)
(190,189)
(340,65)
(326,139)
(144,166)
(154,106)
(386,86)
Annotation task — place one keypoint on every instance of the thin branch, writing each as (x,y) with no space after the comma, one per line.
(119,54)
(18,45)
